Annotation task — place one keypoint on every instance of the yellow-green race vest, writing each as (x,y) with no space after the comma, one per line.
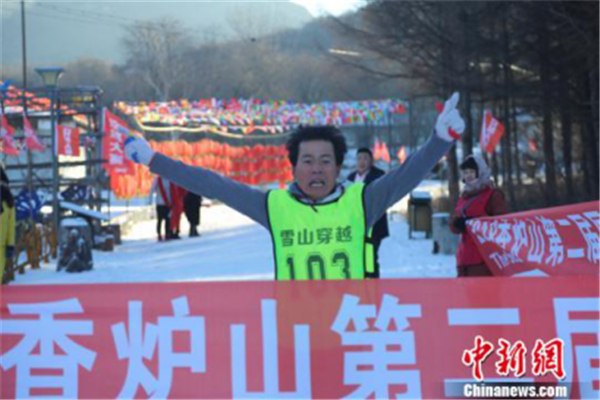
(321,241)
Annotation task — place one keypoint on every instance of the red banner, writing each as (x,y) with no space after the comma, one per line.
(491,132)
(113,145)
(320,339)
(68,141)
(7,141)
(552,241)
(31,140)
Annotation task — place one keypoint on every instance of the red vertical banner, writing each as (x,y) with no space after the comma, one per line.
(113,144)
(68,141)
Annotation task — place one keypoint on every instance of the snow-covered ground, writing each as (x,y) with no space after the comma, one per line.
(231,247)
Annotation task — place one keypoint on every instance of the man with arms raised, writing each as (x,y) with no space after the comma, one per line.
(317,225)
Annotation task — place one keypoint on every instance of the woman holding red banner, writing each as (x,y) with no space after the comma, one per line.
(479,198)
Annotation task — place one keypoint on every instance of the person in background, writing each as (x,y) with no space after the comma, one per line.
(162,188)
(7,224)
(479,198)
(75,254)
(177,195)
(191,205)
(366,172)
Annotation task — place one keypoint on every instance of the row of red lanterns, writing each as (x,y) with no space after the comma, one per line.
(257,165)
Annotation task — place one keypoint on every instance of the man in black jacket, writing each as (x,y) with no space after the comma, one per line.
(366,172)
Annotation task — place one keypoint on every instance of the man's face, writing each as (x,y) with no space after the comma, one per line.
(469,175)
(316,171)
(363,162)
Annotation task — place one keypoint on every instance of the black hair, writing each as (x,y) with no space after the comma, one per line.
(365,150)
(469,163)
(327,133)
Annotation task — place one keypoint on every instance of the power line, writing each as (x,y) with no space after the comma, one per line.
(89,14)
(92,16)
(69,18)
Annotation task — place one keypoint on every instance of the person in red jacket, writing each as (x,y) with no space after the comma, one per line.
(479,198)
(177,194)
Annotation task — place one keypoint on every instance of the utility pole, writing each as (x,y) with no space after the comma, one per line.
(24,65)
(24,49)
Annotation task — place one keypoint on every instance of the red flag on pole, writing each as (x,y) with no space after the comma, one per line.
(491,132)
(377,149)
(532,145)
(31,140)
(402,154)
(113,144)
(385,153)
(7,141)
(68,141)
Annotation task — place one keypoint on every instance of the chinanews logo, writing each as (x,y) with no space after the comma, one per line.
(511,360)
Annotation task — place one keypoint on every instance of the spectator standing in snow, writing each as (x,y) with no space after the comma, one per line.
(366,172)
(161,187)
(177,195)
(192,204)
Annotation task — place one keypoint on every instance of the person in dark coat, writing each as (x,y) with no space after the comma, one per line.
(366,172)
(162,187)
(191,205)
(479,198)
(75,254)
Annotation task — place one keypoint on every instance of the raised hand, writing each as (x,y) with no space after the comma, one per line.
(450,126)
(138,150)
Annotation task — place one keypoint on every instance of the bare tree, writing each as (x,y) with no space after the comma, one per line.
(156,54)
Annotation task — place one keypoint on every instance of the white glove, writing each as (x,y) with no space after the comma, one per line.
(450,125)
(138,150)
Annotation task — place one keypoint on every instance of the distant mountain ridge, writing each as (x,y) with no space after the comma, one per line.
(61,32)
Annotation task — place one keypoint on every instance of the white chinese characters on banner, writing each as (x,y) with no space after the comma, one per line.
(117,134)
(67,140)
(586,356)
(271,359)
(142,343)
(46,332)
(391,324)
(584,224)
(537,240)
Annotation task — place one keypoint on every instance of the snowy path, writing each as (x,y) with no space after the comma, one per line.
(232,247)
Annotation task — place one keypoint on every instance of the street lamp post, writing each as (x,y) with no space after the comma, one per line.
(50,77)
